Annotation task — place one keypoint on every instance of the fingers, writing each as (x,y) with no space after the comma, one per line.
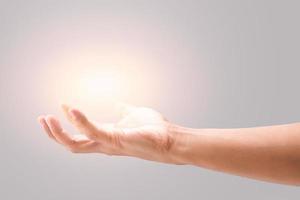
(45,126)
(85,126)
(57,131)
(105,138)
(75,144)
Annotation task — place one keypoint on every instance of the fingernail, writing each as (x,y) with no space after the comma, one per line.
(73,114)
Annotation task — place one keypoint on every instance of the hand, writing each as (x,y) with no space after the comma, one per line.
(265,153)
(141,132)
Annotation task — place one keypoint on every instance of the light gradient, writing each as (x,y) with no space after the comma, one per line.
(201,63)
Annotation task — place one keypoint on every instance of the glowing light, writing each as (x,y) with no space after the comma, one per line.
(100,84)
(95,80)
(92,89)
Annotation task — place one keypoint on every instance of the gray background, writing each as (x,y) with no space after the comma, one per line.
(205,64)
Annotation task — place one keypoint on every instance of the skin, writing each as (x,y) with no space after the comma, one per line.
(264,153)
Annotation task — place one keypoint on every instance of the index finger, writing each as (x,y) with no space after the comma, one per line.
(58,132)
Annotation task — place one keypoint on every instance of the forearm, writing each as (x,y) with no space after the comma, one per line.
(265,153)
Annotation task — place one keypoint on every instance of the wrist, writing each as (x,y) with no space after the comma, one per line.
(181,147)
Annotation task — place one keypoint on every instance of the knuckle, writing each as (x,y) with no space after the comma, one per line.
(72,143)
(73,147)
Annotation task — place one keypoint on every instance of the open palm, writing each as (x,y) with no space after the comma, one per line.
(141,132)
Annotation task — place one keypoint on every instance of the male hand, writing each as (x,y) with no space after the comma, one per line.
(141,132)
